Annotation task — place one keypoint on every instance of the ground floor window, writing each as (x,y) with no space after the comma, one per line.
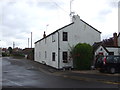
(65,57)
(53,56)
(111,53)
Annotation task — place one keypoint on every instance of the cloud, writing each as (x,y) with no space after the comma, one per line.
(105,12)
(20,17)
(113,3)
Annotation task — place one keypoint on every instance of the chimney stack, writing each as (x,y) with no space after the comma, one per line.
(44,35)
(115,39)
(75,18)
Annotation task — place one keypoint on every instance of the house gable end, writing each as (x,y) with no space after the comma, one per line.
(101,50)
(55,32)
(90,26)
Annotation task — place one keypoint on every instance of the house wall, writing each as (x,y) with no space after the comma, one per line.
(47,47)
(101,50)
(110,49)
(115,50)
(79,32)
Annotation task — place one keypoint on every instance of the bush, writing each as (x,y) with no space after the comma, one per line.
(18,54)
(82,56)
(4,54)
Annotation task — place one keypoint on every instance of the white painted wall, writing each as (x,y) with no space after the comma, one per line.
(48,47)
(110,49)
(101,51)
(79,32)
(115,50)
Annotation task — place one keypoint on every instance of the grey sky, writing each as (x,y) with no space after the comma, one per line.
(20,17)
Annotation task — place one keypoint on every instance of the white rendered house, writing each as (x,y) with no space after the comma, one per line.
(102,50)
(110,50)
(53,50)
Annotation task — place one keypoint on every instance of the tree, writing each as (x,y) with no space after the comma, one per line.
(82,55)
(10,50)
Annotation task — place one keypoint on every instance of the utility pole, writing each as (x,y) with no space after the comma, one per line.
(13,45)
(31,39)
(28,42)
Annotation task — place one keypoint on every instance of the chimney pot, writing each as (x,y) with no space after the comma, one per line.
(44,35)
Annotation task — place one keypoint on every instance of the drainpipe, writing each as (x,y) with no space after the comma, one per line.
(58,51)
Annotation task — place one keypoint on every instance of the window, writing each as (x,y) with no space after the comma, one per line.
(101,49)
(65,36)
(53,56)
(65,56)
(111,53)
(53,38)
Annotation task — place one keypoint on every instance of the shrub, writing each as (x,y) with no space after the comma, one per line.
(82,56)
(4,54)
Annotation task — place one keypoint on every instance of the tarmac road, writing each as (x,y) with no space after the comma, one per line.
(23,73)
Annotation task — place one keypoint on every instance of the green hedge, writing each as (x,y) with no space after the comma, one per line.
(82,56)
(4,54)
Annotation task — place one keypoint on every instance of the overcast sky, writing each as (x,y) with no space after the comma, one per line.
(18,18)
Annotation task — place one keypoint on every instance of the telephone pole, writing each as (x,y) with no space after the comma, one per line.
(13,45)
(28,42)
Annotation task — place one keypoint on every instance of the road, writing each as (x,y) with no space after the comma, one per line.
(28,74)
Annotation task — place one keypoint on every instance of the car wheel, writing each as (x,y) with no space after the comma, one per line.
(112,70)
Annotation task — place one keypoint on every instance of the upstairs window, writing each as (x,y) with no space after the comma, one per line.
(65,36)
(53,38)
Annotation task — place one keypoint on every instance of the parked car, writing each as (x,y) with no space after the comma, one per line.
(110,63)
